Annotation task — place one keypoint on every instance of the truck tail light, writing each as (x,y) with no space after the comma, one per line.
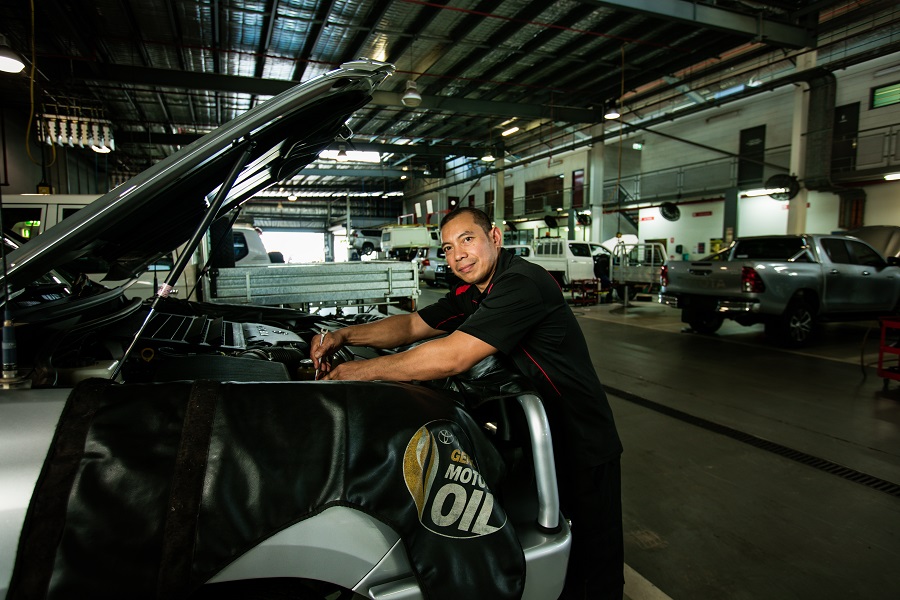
(664,275)
(751,282)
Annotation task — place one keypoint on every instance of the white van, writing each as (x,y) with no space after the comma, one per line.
(28,215)
(403,240)
(566,260)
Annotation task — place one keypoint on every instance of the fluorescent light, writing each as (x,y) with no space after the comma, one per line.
(612,113)
(510,131)
(886,71)
(892,176)
(765,192)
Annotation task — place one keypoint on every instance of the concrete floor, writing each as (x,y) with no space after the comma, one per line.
(710,511)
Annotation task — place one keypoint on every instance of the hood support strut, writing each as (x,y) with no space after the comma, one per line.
(189,249)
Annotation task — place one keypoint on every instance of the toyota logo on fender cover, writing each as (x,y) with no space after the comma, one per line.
(442,476)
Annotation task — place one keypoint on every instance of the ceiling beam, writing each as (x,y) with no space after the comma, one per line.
(494,108)
(183,139)
(354,172)
(775,33)
(183,80)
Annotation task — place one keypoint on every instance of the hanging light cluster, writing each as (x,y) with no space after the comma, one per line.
(77,130)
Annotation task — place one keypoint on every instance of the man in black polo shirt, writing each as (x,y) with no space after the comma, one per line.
(508,305)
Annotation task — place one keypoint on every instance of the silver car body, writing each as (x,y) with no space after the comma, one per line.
(340,545)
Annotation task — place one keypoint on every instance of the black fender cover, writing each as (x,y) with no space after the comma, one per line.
(149,490)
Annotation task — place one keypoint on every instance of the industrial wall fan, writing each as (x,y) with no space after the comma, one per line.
(669,211)
(787,185)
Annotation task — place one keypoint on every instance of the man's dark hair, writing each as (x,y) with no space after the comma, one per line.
(480,217)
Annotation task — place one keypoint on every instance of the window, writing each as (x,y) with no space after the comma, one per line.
(240,246)
(863,255)
(885,95)
(837,251)
(769,248)
(580,249)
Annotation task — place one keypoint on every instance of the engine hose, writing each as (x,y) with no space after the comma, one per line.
(282,354)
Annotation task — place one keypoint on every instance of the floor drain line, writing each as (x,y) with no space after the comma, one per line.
(876,483)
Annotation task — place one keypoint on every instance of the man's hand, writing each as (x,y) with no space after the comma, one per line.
(325,344)
(348,371)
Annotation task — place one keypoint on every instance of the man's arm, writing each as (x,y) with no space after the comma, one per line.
(436,359)
(393,331)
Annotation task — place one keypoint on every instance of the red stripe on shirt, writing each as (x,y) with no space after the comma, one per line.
(462,289)
(541,369)
(438,326)
(555,281)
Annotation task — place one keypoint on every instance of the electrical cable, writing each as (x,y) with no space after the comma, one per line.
(31,75)
(621,133)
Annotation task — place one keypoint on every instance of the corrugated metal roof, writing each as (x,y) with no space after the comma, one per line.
(165,71)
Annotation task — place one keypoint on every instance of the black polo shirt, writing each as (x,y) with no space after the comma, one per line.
(524,315)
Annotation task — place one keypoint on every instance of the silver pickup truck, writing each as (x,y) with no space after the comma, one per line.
(169,448)
(787,282)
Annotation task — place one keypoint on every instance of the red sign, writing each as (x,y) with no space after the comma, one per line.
(646,218)
(703,213)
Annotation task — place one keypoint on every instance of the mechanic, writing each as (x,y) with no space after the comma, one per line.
(506,304)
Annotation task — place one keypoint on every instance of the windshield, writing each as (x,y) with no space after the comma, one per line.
(775,248)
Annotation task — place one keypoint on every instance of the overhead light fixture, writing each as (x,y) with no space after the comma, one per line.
(292,198)
(411,96)
(488,157)
(509,131)
(886,71)
(764,192)
(637,146)
(612,113)
(892,177)
(10,61)
(342,153)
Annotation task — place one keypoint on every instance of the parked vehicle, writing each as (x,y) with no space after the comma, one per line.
(403,241)
(635,267)
(788,282)
(566,260)
(365,241)
(427,260)
(188,445)
(28,216)
(884,238)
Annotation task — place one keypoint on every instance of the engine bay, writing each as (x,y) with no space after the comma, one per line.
(177,340)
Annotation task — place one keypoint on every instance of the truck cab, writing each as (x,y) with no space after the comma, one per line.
(403,241)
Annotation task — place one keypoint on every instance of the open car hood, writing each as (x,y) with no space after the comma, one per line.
(158,210)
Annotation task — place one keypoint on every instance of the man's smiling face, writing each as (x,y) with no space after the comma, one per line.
(471,252)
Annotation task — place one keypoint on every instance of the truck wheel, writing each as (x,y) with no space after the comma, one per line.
(705,322)
(368,248)
(796,326)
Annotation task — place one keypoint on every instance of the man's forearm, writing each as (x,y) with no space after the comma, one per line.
(393,331)
(432,360)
